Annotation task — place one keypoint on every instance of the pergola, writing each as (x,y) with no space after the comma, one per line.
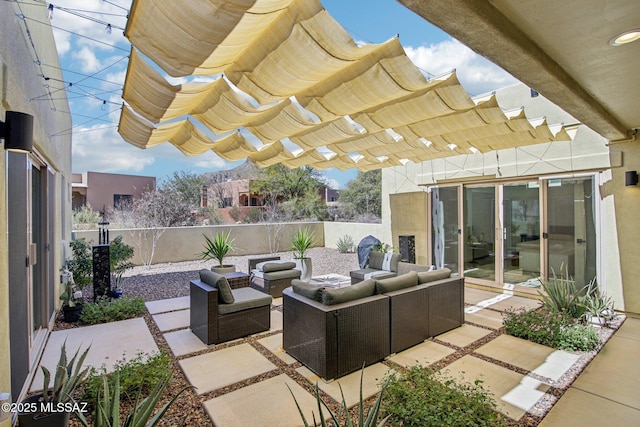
(280,81)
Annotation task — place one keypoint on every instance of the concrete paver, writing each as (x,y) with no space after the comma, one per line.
(109,342)
(350,384)
(165,305)
(274,345)
(464,335)
(184,342)
(267,403)
(172,320)
(578,408)
(211,371)
(489,318)
(276,320)
(424,354)
(473,296)
(614,373)
(516,351)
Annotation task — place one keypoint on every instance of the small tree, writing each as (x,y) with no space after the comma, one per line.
(81,264)
(120,255)
(235,213)
(363,195)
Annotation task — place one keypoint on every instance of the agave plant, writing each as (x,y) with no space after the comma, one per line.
(368,420)
(107,412)
(560,294)
(67,377)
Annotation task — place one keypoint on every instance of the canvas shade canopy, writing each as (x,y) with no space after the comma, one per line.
(286,72)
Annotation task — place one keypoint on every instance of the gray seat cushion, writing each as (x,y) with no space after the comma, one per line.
(245,298)
(364,289)
(225,296)
(375,274)
(283,274)
(405,267)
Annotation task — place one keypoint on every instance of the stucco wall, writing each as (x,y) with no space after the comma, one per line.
(186,243)
(335,230)
(20,81)
(102,186)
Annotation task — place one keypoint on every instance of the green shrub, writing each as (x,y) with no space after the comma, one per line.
(578,338)
(139,374)
(107,310)
(423,397)
(81,262)
(345,244)
(558,330)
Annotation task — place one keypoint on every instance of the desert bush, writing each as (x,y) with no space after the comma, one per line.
(345,244)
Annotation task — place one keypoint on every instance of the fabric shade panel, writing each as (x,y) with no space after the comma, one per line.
(286,72)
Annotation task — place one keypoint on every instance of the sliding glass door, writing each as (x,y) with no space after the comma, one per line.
(445,230)
(479,232)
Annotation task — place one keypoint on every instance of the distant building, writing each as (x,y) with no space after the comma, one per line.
(102,190)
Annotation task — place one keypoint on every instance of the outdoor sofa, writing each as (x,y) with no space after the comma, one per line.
(220,314)
(336,331)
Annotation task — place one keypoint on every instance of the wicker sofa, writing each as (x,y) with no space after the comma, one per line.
(219,313)
(271,275)
(384,317)
(376,267)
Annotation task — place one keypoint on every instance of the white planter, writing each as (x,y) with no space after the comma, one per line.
(304,265)
(596,320)
(224,269)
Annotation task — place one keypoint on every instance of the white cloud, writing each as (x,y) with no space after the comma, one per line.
(101,149)
(476,74)
(88,62)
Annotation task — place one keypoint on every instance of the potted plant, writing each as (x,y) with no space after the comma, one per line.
(217,249)
(301,241)
(599,307)
(71,299)
(66,379)
(120,255)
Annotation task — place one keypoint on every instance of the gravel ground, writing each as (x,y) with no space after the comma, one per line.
(173,278)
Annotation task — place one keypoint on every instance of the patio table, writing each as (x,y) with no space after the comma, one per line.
(331,280)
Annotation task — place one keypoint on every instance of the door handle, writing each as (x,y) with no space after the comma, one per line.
(580,240)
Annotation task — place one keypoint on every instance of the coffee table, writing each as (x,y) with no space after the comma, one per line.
(331,280)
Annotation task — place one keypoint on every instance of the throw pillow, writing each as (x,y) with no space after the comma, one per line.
(396,283)
(432,276)
(225,296)
(363,289)
(306,289)
(270,266)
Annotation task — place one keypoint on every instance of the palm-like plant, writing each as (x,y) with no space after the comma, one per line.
(218,247)
(67,377)
(561,295)
(301,241)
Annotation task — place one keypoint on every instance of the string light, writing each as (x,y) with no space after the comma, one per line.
(50,11)
(108,28)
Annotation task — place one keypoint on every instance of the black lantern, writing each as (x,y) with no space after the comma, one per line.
(17,131)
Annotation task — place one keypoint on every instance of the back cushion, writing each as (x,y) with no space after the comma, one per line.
(363,289)
(225,296)
(405,267)
(377,258)
(307,289)
(406,280)
(432,276)
(270,266)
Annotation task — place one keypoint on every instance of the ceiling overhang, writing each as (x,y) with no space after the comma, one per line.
(561,49)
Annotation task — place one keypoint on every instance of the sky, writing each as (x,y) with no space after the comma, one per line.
(94,65)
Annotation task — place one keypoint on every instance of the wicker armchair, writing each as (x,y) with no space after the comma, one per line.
(216,323)
(335,340)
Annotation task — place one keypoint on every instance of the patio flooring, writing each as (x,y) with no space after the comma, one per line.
(248,382)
